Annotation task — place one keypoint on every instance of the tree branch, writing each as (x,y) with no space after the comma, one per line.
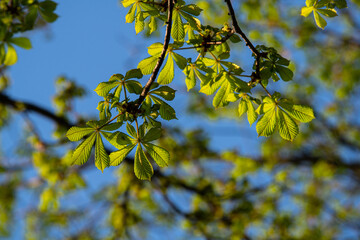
(30,107)
(156,70)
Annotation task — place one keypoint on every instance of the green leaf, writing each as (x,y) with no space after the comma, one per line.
(112,126)
(192,9)
(299,112)
(152,25)
(148,64)
(266,124)
(82,152)
(105,87)
(305,11)
(167,73)
(251,114)
(102,159)
(285,73)
(130,16)
(124,139)
(47,5)
(131,130)
(310,3)
(177,30)
(242,107)
(21,42)
(221,96)
(180,61)
(151,135)
(142,167)
(139,22)
(11,56)
(328,12)
(117,157)
(190,79)
(155,49)
(159,154)
(48,16)
(76,133)
(133,73)
(165,92)
(167,112)
(117,77)
(127,3)
(288,129)
(133,86)
(319,20)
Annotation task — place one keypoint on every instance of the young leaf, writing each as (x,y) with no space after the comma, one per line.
(152,134)
(165,92)
(320,21)
(159,154)
(142,167)
(11,56)
(130,16)
(251,114)
(266,124)
(131,130)
(285,73)
(102,159)
(133,86)
(105,87)
(299,112)
(133,73)
(288,129)
(117,157)
(82,152)
(177,30)
(21,42)
(76,133)
(112,126)
(139,22)
(180,61)
(167,73)
(148,64)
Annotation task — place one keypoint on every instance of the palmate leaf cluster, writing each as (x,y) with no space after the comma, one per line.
(209,70)
(140,137)
(322,8)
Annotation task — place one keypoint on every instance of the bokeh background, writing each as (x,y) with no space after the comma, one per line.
(223,182)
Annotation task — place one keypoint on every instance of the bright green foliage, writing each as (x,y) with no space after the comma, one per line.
(304,187)
(102,159)
(22,18)
(323,7)
(246,106)
(273,66)
(281,114)
(167,73)
(218,77)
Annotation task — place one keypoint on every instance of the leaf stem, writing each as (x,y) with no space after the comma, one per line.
(198,57)
(125,92)
(268,93)
(213,55)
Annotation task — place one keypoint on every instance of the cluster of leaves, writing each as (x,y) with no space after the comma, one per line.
(322,7)
(217,76)
(18,17)
(140,137)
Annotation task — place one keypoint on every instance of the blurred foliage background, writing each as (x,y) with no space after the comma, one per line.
(213,189)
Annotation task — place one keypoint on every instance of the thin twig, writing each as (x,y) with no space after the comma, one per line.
(268,93)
